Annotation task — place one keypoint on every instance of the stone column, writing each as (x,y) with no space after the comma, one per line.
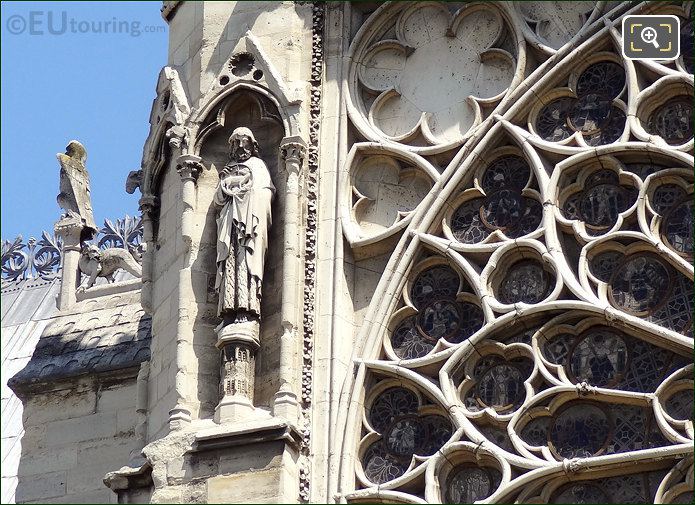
(148,207)
(189,168)
(69,230)
(286,405)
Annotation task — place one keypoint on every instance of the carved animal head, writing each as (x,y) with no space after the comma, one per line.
(90,251)
(133,181)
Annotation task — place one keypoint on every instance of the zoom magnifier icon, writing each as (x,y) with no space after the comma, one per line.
(649,36)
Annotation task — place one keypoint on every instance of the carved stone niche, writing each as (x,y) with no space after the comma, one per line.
(244,108)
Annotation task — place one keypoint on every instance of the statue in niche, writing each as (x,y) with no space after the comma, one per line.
(74,197)
(244,195)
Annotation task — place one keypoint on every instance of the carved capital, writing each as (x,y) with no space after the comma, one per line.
(189,167)
(148,203)
(293,151)
(69,229)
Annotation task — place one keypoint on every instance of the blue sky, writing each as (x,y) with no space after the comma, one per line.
(94,87)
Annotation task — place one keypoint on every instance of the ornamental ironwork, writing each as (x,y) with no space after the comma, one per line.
(42,259)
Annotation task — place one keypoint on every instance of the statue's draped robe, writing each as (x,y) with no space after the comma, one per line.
(245,195)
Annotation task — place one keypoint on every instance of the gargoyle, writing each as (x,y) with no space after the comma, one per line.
(96,262)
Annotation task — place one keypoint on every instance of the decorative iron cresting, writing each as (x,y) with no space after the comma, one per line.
(42,259)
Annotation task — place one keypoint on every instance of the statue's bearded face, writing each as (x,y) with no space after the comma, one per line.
(242,148)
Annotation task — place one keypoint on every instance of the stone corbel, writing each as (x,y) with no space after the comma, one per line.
(148,208)
(286,405)
(70,230)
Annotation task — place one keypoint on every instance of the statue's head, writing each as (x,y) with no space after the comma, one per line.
(242,144)
(77,151)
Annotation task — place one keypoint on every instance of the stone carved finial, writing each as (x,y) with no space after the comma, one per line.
(74,197)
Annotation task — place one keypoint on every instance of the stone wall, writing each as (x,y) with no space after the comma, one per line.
(73,437)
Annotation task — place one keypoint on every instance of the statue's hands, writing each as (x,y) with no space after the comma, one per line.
(81,289)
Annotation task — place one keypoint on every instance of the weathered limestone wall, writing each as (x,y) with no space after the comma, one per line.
(202,36)
(73,436)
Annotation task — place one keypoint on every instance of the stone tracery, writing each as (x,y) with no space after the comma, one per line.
(572,240)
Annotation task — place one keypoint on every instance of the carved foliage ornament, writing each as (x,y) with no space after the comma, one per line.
(541,306)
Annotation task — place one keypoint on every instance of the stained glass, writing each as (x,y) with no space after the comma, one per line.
(673,121)
(439,319)
(509,172)
(604,264)
(599,357)
(501,387)
(680,404)
(436,282)
(526,282)
(472,483)
(438,431)
(502,209)
(605,78)
(677,227)
(580,493)
(535,432)
(466,224)
(380,466)
(390,404)
(408,342)
(640,284)
(592,113)
(600,205)
(666,196)
(552,120)
(580,431)
(404,436)
(472,319)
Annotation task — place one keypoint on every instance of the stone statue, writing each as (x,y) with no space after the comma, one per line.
(95,262)
(74,197)
(244,195)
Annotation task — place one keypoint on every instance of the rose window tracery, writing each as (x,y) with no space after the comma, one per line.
(461,46)
(406,429)
(507,204)
(537,304)
(593,109)
(443,314)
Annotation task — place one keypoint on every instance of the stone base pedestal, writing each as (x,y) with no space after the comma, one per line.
(238,343)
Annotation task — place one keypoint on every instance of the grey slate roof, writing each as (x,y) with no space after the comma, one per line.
(97,335)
